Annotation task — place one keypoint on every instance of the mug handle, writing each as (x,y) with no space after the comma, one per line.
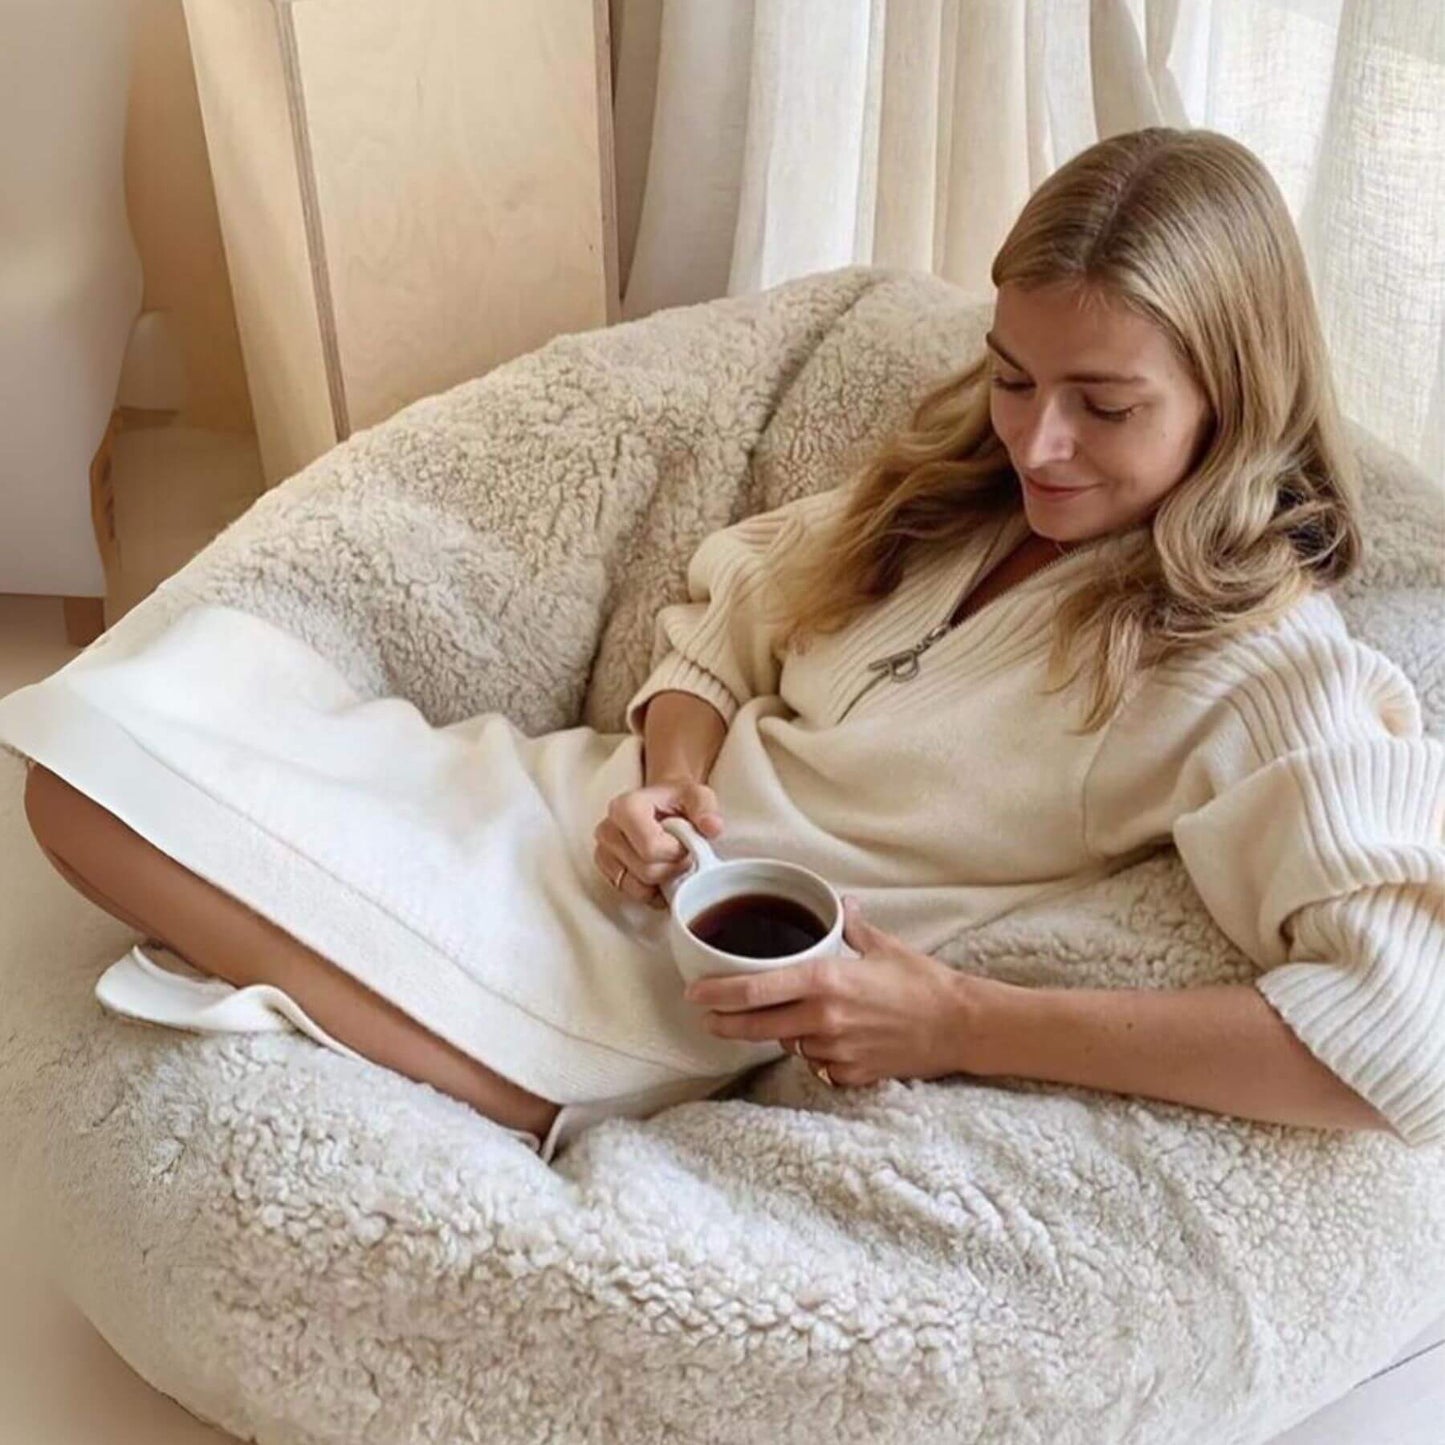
(698,846)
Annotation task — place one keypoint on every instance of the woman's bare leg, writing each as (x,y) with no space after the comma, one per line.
(120,872)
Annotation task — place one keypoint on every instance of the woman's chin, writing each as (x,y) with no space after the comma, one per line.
(1050,523)
(1043,523)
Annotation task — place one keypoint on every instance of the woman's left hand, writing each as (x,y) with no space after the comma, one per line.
(893,1013)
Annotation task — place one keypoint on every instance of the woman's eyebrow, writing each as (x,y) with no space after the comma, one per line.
(1111,376)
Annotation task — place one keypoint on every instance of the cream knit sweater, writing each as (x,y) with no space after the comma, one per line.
(1287,766)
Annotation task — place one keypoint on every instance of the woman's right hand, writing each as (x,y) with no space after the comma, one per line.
(631,837)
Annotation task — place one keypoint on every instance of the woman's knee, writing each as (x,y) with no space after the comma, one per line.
(71,825)
(54,821)
(63,820)
(45,809)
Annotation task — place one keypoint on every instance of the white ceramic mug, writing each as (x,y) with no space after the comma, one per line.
(713,879)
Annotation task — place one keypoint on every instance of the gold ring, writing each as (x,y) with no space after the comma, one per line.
(621,874)
(820,1071)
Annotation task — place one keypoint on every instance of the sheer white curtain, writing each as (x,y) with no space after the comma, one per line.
(792,136)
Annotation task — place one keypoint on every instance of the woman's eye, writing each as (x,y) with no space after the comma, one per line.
(1122,414)
(1103,413)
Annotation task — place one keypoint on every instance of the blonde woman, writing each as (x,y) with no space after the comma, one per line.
(1078,608)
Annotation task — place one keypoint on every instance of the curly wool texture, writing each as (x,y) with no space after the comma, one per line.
(305,1249)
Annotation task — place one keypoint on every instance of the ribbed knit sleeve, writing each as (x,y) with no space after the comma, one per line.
(719,644)
(1308,807)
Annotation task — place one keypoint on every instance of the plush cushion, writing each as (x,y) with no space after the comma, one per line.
(304,1248)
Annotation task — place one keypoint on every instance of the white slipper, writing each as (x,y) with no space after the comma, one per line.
(153,985)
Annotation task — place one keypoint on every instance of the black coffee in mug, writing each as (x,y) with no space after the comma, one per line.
(758,925)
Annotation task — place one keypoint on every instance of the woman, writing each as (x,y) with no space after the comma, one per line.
(1076,609)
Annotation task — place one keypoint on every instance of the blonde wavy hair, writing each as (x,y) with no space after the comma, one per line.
(1188,228)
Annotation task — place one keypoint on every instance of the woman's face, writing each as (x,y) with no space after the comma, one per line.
(1098,413)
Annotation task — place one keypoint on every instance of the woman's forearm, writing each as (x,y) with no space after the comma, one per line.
(682,735)
(1221,1048)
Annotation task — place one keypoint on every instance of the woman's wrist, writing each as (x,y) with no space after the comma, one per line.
(682,735)
(989,1017)
(671,780)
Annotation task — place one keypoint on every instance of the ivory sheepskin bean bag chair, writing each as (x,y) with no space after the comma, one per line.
(309,1250)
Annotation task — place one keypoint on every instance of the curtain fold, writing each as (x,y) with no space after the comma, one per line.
(792,136)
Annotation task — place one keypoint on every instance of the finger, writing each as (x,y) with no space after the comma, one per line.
(635,819)
(858,932)
(818,1050)
(634,888)
(629,885)
(737,992)
(650,870)
(699,803)
(789,1021)
(609,865)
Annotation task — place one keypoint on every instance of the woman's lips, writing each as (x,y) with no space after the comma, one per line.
(1052,493)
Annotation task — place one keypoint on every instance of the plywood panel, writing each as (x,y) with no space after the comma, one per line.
(462,161)
(171,200)
(241,84)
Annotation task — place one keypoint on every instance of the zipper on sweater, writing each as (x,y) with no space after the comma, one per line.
(903,666)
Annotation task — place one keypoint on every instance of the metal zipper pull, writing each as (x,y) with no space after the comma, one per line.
(901,666)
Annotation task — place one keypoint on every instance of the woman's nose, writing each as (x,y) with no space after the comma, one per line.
(1044,436)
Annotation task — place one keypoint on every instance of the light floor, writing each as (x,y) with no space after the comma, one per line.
(60,1384)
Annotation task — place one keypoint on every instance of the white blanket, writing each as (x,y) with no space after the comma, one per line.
(447,868)
(303,1248)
